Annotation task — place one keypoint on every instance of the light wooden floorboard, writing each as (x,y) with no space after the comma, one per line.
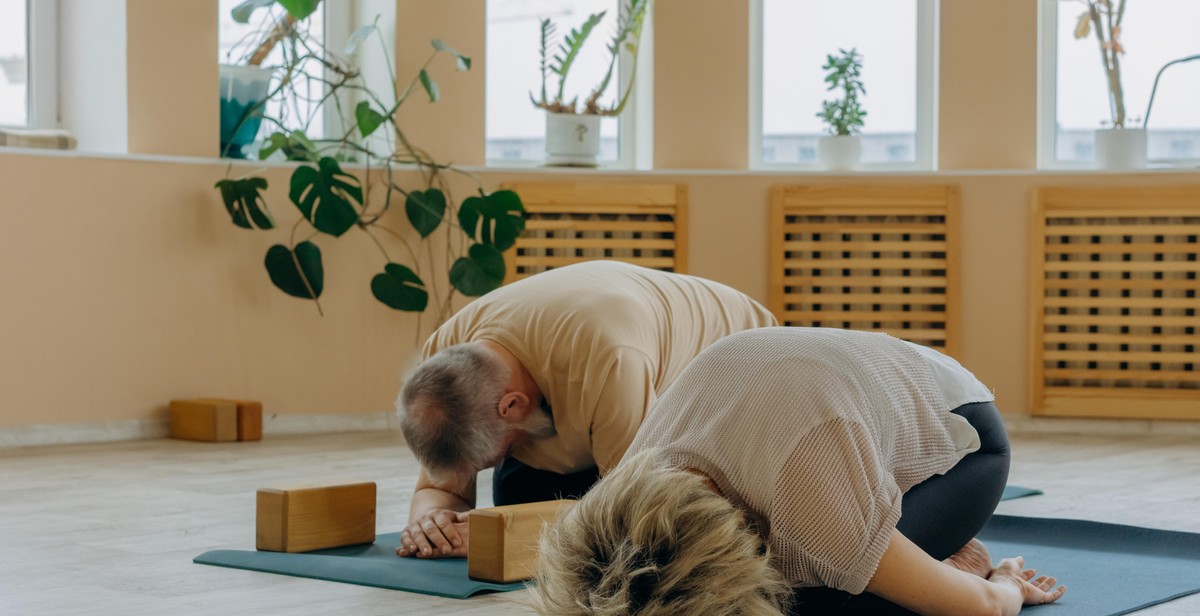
(112,528)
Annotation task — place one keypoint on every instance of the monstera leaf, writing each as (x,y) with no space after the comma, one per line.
(496,220)
(245,204)
(399,287)
(482,270)
(425,210)
(290,270)
(326,196)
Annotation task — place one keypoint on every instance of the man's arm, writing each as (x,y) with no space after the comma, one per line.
(622,404)
(437,526)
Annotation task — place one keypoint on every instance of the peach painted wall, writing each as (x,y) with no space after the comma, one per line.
(123,284)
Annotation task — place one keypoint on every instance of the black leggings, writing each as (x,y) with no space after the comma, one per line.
(941,514)
(514,482)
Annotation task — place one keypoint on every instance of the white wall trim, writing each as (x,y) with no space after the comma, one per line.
(1028,426)
(139,429)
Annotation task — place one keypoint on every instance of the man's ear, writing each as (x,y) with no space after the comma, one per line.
(513,406)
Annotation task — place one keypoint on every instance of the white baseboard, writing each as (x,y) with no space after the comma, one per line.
(1028,425)
(137,429)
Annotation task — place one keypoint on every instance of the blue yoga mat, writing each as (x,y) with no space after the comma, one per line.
(1011,492)
(367,565)
(1109,569)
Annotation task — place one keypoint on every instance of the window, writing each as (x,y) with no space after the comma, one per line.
(27,64)
(896,39)
(298,109)
(1074,88)
(516,129)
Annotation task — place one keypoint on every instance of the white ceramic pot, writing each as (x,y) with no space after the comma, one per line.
(1120,148)
(839,152)
(572,140)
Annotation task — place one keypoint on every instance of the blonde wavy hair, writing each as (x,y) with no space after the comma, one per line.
(652,540)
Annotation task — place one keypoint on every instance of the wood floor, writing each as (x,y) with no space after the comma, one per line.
(112,528)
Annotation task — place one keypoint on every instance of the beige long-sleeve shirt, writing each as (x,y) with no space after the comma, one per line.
(816,433)
(602,340)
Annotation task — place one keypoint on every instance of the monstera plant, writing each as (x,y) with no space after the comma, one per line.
(331,202)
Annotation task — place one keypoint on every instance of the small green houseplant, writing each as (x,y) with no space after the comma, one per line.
(333,202)
(842,149)
(572,131)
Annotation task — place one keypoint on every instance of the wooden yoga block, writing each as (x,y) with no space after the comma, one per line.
(249,418)
(315,517)
(201,420)
(503,541)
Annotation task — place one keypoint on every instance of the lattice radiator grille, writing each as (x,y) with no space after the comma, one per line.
(867,258)
(643,224)
(1115,302)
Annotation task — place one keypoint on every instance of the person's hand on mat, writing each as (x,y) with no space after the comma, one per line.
(439,533)
(1034,589)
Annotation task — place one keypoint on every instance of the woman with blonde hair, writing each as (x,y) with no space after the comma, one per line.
(827,470)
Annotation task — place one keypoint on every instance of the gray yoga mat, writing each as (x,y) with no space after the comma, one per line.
(1011,492)
(1109,569)
(367,565)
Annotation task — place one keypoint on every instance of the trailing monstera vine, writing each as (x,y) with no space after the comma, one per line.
(333,202)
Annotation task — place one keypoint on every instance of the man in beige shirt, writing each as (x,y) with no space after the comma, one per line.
(548,380)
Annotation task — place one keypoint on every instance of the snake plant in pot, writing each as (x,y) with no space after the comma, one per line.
(332,201)
(573,131)
(842,149)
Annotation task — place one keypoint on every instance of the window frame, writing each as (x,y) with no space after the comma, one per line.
(635,125)
(41,57)
(928,28)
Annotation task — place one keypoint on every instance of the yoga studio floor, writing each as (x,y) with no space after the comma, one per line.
(112,528)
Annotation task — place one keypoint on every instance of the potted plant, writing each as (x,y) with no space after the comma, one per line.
(333,202)
(245,84)
(842,148)
(573,132)
(1121,146)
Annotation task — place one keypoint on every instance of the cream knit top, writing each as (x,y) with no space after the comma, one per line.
(816,433)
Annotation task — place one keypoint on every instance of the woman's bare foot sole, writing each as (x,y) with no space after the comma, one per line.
(972,558)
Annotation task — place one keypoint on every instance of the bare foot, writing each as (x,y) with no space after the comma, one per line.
(972,558)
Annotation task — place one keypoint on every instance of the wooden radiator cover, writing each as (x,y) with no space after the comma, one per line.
(1113,294)
(643,224)
(879,258)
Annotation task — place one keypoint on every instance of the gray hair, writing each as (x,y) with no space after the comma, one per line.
(447,409)
(654,540)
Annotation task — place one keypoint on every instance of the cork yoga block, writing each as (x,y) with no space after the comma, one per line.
(504,540)
(249,418)
(315,517)
(200,420)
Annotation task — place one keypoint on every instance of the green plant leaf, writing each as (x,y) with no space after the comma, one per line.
(290,270)
(482,270)
(294,146)
(326,196)
(430,85)
(495,220)
(461,62)
(300,9)
(399,287)
(368,119)
(359,36)
(245,203)
(425,210)
(242,12)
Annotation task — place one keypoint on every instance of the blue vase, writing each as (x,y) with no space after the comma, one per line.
(243,89)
